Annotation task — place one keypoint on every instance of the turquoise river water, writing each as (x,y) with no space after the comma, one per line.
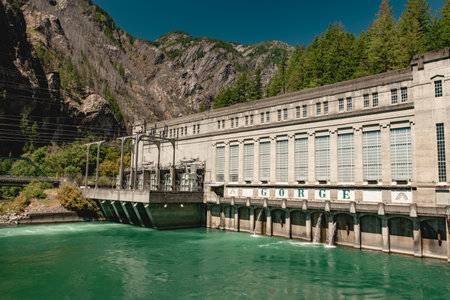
(115,261)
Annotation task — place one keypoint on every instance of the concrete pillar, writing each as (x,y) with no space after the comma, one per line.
(287,226)
(236,218)
(268,222)
(113,204)
(136,157)
(252,219)
(124,207)
(357,231)
(222,218)
(291,159)
(358,154)
(386,154)
(136,211)
(158,168)
(256,161)
(208,216)
(330,226)
(385,234)
(172,169)
(308,226)
(312,155)
(241,162)
(333,157)
(417,236)
(227,166)
(273,159)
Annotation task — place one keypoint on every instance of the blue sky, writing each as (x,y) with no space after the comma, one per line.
(245,21)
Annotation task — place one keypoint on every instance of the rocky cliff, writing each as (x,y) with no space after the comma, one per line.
(66,66)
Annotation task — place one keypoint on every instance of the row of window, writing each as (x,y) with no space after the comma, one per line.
(176,132)
(401,158)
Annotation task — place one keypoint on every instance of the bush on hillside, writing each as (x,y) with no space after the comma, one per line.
(72,198)
(34,189)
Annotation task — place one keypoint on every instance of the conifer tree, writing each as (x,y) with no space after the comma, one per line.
(413,27)
(382,48)
(444,25)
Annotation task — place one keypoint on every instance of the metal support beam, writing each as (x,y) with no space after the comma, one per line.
(150,216)
(124,207)
(87,169)
(116,211)
(99,145)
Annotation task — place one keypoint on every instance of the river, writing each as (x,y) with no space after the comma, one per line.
(115,261)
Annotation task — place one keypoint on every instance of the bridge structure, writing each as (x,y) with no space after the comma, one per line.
(163,205)
(8,179)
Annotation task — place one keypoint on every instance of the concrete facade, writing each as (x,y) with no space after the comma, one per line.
(367,155)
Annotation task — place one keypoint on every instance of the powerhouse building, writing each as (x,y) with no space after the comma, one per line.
(361,162)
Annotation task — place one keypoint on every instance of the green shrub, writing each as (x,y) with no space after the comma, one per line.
(34,189)
(72,198)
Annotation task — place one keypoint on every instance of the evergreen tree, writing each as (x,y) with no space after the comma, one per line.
(382,48)
(413,27)
(444,25)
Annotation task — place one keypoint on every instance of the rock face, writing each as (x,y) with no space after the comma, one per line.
(76,68)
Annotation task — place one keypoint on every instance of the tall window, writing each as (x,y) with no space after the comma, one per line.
(251,119)
(262,118)
(297,112)
(301,159)
(282,161)
(220,164)
(404,94)
(234,163)
(305,110)
(325,108)
(223,124)
(349,104)
(374,99)
(248,162)
(246,120)
(237,122)
(346,158)
(264,161)
(366,101)
(285,114)
(341,105)
(394,98)
(438,88)
(232,122)
(442,170)
(401,158)
(267,116)
(279,115)
(372,155)
(323,158)
(318,108)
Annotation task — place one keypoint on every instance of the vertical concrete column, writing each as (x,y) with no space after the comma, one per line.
(308,226)
(417,238)
(222,218)
(241,162)
(287,226)
(236,218)
(208,216)
(385,234)
(312,155)
(252,219)
(357,231)
(256,161)
(358,154)
(330,226)
(334,157)
(172,169)
(227,165)
(273,159)
(386,153)
(268,222)
(291,159)
(158,168)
